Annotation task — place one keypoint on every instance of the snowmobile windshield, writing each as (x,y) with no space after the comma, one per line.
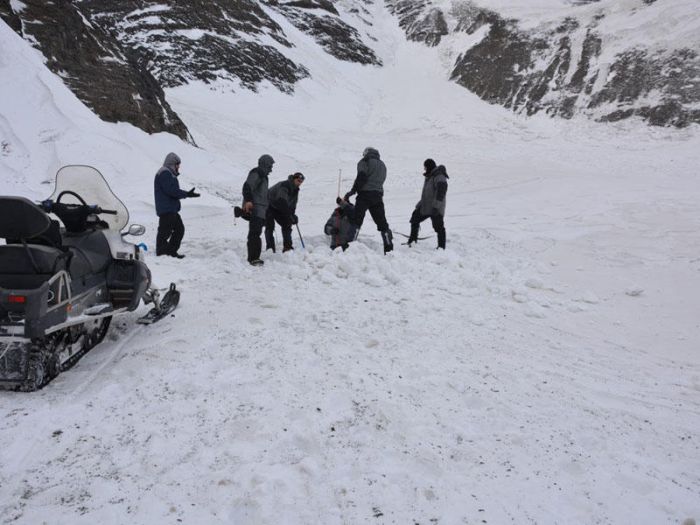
(86,185)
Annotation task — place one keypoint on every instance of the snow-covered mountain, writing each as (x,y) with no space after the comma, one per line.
(609,60)
(543,369)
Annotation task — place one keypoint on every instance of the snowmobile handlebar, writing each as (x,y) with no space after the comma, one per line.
(76,216)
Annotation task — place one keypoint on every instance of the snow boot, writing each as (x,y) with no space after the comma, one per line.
(270,241)
(254,248)
(442,237)
(415,228)
(387,237)
(256,262)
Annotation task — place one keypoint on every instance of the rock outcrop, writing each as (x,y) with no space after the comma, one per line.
(114,82)
(564,68)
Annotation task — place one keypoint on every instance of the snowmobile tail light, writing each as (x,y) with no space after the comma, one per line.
(17,299)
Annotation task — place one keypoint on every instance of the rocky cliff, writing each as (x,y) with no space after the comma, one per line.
(118,55)
(573,64)
(109,78)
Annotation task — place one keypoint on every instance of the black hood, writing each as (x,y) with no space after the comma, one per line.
(439,170)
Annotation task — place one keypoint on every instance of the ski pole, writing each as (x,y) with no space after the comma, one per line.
(300,237)
(340,172)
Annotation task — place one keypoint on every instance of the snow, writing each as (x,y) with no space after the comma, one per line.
(544,368)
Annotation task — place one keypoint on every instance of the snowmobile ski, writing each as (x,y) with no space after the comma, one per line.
(163,306)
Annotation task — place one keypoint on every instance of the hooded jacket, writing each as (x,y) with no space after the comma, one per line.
(283,196)
(166,188)
(371,173)
(339,227)
(434,195)
(255,188)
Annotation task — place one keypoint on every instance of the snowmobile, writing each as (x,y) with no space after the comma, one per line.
(61,285)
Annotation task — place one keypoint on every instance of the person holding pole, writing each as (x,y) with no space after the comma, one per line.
(283,198)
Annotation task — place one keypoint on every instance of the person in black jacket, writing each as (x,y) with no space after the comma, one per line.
(432,203)
(167,193)
(369,186)
(282,207)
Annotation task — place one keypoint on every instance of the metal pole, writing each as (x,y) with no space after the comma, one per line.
(300,237)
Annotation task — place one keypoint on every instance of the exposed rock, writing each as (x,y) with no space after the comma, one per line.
(543,70)
(10,17)
(117,55)
(421,22)
(184,41)
(107,78)
(330,32)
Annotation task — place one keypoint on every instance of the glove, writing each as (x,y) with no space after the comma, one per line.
(338,200)
(192,193)
(294,219)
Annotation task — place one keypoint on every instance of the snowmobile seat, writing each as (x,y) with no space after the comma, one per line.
(91,253)
(26,267)
(20,219)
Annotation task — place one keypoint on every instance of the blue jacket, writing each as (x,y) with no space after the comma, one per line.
(166,190)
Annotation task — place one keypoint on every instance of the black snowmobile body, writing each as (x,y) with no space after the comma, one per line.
(60,286)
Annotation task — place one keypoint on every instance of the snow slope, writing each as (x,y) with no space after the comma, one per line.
(544,369)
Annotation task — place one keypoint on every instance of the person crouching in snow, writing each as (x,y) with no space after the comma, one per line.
(432,203)
(340,226)
(167,194)
(282,208)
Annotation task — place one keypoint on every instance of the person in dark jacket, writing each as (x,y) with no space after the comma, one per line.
(167,193)
(339,226)
(283,198)
(369,186)
(432,203)
(255,202)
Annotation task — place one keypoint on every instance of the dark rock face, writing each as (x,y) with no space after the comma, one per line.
(421,22)
(117,55)
(543,70)
(185,40)
(330,32)
(111,81)
(9,16)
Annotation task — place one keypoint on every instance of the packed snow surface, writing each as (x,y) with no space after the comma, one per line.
(545,368)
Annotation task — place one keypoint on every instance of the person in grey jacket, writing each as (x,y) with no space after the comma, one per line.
(283,198)
(369,186)
(167,195)
(432,203)
(255,202)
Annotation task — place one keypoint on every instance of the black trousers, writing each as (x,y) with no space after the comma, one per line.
(438,225)
(171,230)
(255,228)
(373,202)
(285,222)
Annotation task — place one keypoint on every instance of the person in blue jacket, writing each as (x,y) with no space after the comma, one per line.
(168,194)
